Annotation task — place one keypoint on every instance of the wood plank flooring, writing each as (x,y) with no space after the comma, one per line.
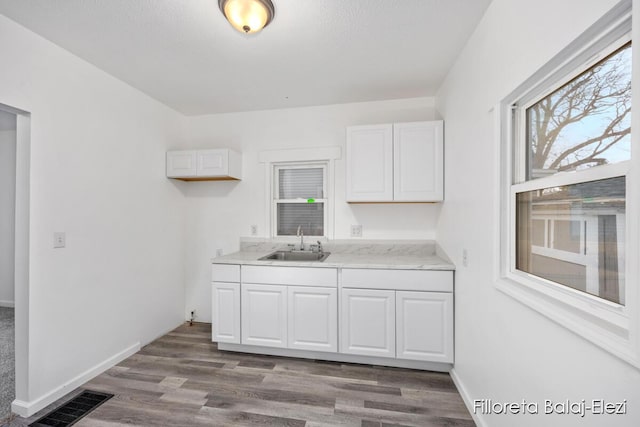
(182,379)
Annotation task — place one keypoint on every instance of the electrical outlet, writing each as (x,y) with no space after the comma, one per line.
(219,252)
(356,230)
(59,239)
(465,258)
(254,230)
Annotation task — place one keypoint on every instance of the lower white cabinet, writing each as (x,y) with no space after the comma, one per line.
(264,315)
(226,312)
(424,326)
(397,314)
(313,318)
(367,322)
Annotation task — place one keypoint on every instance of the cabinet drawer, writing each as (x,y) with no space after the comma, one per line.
(300,276)
(404,280)
(225,273)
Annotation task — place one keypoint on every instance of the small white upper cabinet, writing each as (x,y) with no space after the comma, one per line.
(204,165)
(401,162)
(370,163)
(417,161)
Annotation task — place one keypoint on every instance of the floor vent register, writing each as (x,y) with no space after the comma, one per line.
(74,410)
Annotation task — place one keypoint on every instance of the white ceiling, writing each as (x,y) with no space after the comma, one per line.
(315,52)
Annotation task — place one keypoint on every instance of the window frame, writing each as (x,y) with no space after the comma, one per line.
(614,327)
(275,201)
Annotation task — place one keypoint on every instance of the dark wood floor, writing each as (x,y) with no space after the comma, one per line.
(182,379)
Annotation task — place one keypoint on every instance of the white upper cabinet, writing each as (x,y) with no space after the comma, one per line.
(181,164)
(417,161)
(401,162)
(370,163)
(204,165)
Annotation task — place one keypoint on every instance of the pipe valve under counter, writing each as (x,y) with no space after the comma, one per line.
(386,316)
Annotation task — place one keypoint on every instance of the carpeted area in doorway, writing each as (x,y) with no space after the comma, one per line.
(7,361)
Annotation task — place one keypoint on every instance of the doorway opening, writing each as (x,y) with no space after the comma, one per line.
(14,257)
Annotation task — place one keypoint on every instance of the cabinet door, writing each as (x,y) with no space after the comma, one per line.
(369,174)
(213,162)
(264,315)
(226,312)
(181,164)
(368,322)
(418,161)
(425,326)
(313,318)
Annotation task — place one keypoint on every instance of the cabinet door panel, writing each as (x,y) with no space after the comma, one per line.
(181,163)
(369,174)
(226,312)
(368,322)
(264,315)
(212,162)
(425,326)
(417,161)
(313,318)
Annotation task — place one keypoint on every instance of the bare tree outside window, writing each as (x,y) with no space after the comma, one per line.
(586,122)
(574,234)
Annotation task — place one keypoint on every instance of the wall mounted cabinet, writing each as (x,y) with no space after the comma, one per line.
(204,165)
(401,162)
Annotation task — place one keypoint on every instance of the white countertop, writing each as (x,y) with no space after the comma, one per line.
(345,260)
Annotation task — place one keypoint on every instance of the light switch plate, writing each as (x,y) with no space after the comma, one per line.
(59,239)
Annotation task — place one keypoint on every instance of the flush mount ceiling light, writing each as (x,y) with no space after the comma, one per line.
(247,16)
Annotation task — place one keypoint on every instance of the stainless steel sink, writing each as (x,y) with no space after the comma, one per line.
(296,256)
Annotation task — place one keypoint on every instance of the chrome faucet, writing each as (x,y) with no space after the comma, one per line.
(300,234)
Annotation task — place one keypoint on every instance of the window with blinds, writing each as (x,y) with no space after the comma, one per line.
(300,199)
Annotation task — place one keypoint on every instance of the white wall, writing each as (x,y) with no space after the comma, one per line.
(97,173)
(219,212)
(7,206)
(504,350)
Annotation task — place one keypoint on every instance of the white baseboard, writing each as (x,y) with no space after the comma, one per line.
(8,304)
(26,409)
(468,401)
(336,357)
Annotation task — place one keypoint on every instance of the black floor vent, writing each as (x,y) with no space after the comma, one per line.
(72,411)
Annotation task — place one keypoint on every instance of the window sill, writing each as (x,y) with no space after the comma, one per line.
(606,327)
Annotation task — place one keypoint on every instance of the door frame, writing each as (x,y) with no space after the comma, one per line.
(21,267)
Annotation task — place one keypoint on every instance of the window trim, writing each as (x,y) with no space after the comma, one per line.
(612,326)
(269,158)
(275,200)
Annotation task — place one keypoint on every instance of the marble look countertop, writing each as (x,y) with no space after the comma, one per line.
(390,255)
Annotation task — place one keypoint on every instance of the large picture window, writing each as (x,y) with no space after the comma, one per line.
(567,211)
(573,234)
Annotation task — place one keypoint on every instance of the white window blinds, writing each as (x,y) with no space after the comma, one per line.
(300,200)
(302,183)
